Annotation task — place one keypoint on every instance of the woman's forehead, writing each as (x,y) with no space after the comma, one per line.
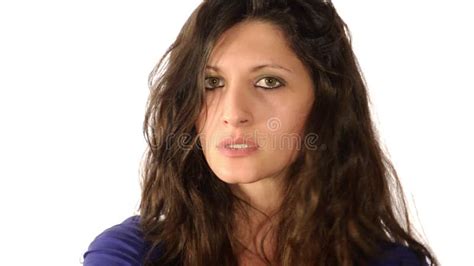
(253,44)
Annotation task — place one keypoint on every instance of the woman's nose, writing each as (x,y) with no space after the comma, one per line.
(237,106)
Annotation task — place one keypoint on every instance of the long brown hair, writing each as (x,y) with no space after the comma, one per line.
(343,200)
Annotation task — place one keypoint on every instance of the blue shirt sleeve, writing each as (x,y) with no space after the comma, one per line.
(398,255)
(120,245)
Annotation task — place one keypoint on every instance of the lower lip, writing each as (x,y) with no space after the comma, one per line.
(237,152)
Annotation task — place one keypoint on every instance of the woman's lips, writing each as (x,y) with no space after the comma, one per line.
(237,147)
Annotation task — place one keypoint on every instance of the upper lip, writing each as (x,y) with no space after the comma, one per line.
(238,140)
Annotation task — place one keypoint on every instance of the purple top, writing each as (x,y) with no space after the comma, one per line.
(123,244)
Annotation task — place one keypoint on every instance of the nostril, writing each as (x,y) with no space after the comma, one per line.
(235,121)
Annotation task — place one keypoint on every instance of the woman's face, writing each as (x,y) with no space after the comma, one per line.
(258,94)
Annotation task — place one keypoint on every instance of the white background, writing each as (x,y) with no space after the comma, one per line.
(73,88)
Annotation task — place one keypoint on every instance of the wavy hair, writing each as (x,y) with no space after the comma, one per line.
(343,200)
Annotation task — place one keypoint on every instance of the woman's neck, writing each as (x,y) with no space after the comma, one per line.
(253,235)
(264,195)
(258,224)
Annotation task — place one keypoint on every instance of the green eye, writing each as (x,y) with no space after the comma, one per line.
(269,83)
(211,83)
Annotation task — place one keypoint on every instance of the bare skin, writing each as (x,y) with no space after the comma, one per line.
(251,235)
(247,99)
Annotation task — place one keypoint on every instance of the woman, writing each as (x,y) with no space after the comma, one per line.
(262,150)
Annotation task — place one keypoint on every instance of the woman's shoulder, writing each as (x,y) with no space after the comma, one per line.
(397,255)
(122,244)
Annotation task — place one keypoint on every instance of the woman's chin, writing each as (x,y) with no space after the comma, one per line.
(240,177)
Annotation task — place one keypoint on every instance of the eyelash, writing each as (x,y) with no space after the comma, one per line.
(279,82)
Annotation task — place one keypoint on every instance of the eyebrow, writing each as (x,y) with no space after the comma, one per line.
(255,68)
